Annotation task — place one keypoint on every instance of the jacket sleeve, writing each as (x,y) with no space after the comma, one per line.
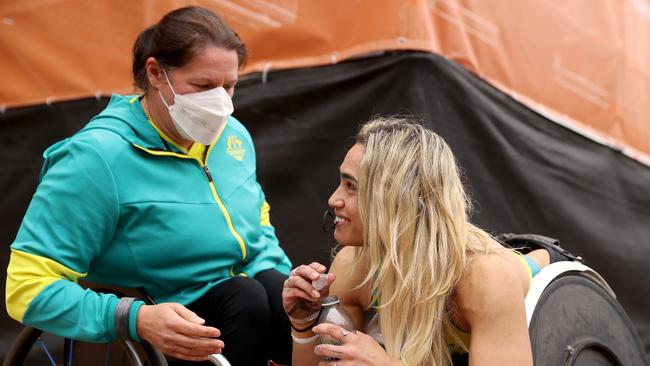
(272,255)
(70,220)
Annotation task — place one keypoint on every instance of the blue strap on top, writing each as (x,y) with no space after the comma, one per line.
(534,268)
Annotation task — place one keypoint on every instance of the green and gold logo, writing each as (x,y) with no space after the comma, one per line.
(234,148)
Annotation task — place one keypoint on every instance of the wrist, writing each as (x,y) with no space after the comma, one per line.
(125,319)
(303,328)
(133,320)
(304,337)
(304,312)
(306,334)
(141,320)
(303,323)
(306,320)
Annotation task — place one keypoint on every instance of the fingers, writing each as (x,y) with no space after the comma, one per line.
(186,313)
(298,293)
(195,346)
(310,272)
(300,286)
(189,324)
(329,329)
(299,282)
(330,350)
(317,267)
(189,348)
(323,281)
(174,329)
(186,354)
(194,330)
(330,279)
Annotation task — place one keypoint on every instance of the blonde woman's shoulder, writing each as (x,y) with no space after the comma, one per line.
(489,303)
(349,274)
(488,280)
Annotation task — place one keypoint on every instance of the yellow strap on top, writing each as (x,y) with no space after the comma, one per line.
(527,266)
(521,258)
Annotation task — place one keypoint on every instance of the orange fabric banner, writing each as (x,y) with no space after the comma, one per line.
(582,63)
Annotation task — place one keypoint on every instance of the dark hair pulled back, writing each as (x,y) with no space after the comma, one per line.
(180,35)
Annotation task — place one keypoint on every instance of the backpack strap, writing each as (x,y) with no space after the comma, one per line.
(530,242)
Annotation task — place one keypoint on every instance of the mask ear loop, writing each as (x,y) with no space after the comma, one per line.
(170,87)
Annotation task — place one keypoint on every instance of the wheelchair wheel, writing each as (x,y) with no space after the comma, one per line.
(575,320)
(31,348)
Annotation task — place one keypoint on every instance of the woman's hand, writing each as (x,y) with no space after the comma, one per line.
(177,331)
(298,288)
(355,348)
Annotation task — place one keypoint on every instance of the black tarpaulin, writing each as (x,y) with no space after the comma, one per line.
(525,173)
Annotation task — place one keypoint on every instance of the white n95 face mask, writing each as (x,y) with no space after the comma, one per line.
(199,116)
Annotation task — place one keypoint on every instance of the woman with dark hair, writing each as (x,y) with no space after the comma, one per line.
(159,191)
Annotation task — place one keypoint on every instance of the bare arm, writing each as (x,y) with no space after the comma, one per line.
(344,281)
(491,301)
(356,348)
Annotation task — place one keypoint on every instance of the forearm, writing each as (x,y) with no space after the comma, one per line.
(68,224)
(303,354)
(42,293)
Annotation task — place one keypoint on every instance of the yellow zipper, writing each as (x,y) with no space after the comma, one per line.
(213,189)
(224,210)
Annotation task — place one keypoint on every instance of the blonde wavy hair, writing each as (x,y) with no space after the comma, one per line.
(417,237)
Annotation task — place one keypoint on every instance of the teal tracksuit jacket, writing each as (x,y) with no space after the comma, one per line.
(119,203)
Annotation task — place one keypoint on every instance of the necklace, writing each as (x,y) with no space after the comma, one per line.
(162,134)
(146,110)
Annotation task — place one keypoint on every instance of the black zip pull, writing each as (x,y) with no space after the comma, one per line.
(207,172)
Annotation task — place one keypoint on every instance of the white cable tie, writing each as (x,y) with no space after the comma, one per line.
(334,56)
(3,109)
(265,72)
(98,94)
(48,101)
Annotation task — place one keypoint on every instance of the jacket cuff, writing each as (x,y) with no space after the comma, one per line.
(126,315)
(133,316)
(110,324)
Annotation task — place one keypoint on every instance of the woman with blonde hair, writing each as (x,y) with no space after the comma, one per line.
(422,283)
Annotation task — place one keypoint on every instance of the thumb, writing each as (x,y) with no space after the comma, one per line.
(330,278)
(187,314)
